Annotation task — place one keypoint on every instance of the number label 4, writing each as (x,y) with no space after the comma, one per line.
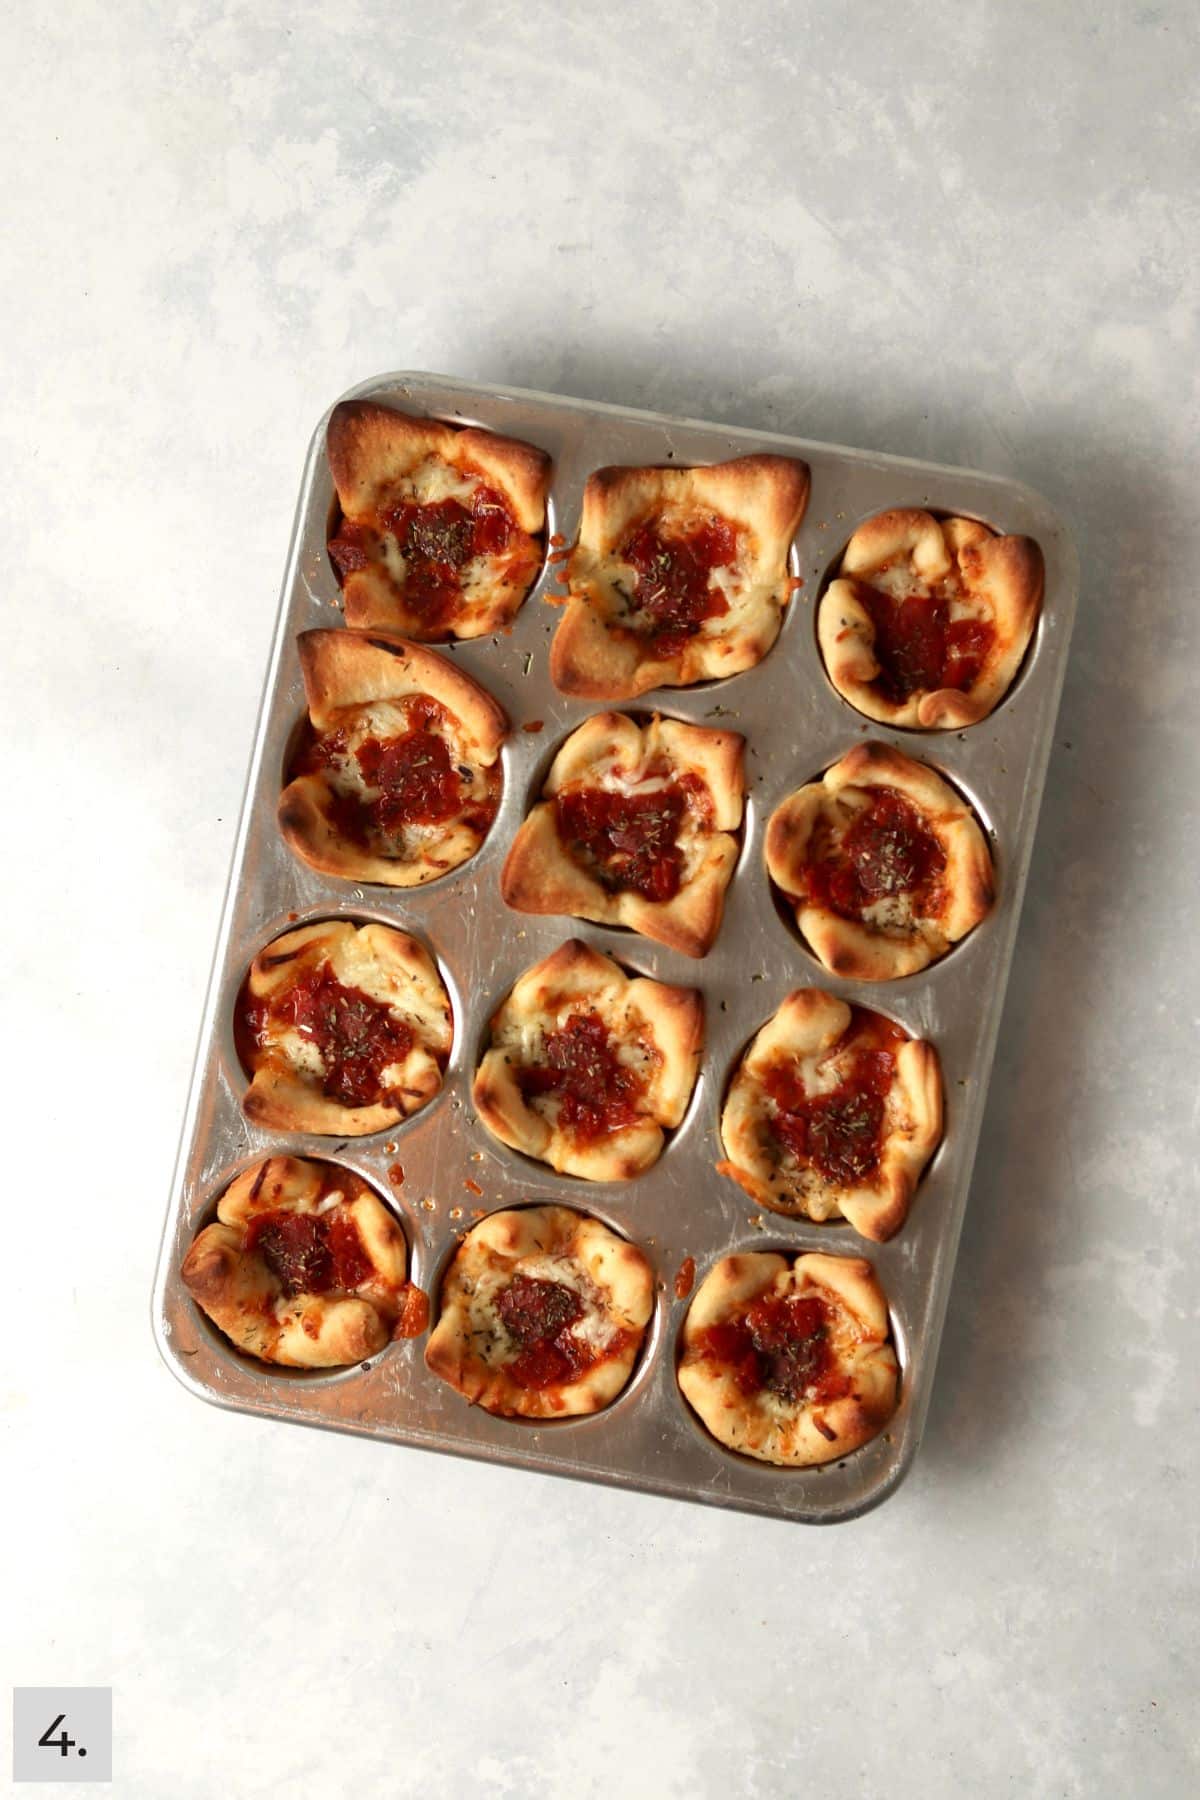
(62,1743)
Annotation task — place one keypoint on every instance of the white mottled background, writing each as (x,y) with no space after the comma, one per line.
(966,231)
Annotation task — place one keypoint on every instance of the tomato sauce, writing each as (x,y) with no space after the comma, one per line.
(887,851)
(629,841)
(597,1094)
(309,1253)
(357,1036)
(436,540)
(538,1316)
(414,1313)
(839,1133)
(672,578)
(919,647)
(780,1345)
(416,782)
(351,549)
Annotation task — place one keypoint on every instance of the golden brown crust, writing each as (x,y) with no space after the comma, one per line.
(904,553)
(287,1089)
(345,669)
(901,940)
(470,1346)
(379,458)
(655,1030)
(361,683)
(795,1433)
(613,752)
(807,1038)
(596,654)
(246,1299)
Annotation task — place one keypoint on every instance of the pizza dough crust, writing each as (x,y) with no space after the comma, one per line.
(598,657)
(898,944)
(359,681)
(387,965)
(380,457)
(793,1433)
(248,1303)
(470,1347)
(614,752)
(805,1035)
(658,1031)
(996,580)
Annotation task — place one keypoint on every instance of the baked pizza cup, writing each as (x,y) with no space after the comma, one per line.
(678,575)
(789,1360)
(304,1266)
(636,829)
(398,778)
(587,1067)
(833,1113)
(883,863)
(542,1314)
(928,619)
(343,1029)
(439,529)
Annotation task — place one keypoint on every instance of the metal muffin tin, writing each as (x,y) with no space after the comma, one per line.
(795,725)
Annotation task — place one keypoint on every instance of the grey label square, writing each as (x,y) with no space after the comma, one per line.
(76,1746)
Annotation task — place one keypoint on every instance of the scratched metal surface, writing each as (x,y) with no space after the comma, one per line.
(795,725)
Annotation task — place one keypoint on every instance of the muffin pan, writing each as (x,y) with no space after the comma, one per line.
(441,1170)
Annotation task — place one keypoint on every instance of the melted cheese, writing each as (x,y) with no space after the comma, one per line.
(301,1053)
(434,480)
(892,912)
(900,581)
